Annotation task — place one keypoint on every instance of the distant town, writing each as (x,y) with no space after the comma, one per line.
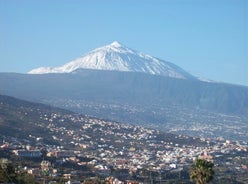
(114,151)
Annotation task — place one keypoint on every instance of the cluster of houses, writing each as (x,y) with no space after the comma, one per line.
(112,146)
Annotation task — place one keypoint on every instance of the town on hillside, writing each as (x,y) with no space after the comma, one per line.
(94,150)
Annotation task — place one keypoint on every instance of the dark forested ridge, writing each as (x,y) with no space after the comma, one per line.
(127,87)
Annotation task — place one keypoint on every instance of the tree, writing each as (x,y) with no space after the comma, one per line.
(7,173)
(202,171)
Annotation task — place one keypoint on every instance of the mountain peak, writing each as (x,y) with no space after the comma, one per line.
(117,57)
(116,44)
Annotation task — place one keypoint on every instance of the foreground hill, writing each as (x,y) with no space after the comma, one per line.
(20,118)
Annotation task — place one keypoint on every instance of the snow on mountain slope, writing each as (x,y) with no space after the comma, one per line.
(118,58)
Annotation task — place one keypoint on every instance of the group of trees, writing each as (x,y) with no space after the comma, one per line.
(9,174)
(202,171)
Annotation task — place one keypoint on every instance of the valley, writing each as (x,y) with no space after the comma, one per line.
(170,118)
(102,147)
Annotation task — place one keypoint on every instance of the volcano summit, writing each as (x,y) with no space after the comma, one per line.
(117,57)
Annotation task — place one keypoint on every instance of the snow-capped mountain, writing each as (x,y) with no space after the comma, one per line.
(117,57)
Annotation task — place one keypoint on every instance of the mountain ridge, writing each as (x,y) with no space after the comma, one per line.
(127,87)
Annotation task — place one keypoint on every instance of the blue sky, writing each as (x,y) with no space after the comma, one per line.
(208,38)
